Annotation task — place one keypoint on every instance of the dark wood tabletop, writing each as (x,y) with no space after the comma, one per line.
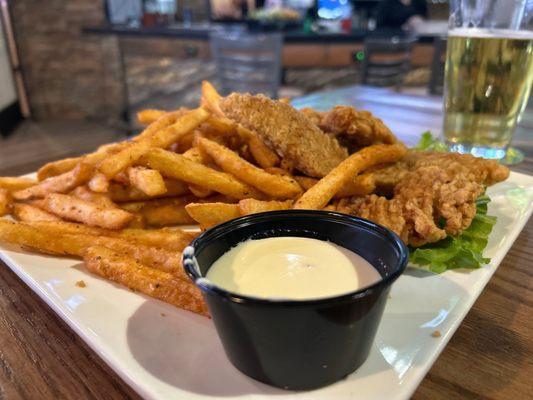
(488,357)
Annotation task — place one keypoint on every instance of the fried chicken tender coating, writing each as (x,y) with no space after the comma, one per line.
(486,172)
(354,128)
(429,203)
(288,132)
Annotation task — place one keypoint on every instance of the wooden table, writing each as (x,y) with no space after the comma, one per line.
(488,357)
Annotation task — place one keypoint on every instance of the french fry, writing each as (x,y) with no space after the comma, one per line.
(176,166)
(147,180)
(162,122)
(210,99)
(277,171)
(320,194)
(274,185)
(59,167)
(148,116)
(200,192)
(170,239)
(305,182)
(211,214)
(102,200)
(121,193)
(14,184)
(166,212)
(138,222)
(253,206)
(98,183)
(260,151)
(360,185)
(117,163)
(68,244)
(72,208)
(161,285)
(162,138)
(57,184)
(30,213)
(5,199)
(122,177)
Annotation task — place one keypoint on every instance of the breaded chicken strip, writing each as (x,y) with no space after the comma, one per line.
(486,172)
(288,132)
(354,128)
(429,203)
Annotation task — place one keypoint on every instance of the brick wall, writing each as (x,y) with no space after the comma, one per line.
(68,75)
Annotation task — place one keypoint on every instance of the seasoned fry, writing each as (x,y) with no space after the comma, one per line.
(57,184)
(170,239)
(122,177)
(75,209)
(138,222)
(305,181)
(360,185)
(84,193)
(320,194)
(210,99)
(176,166)
(161,285)
(5,199)
(121,193)
(166,212)
(161,138)
(147,180)
(146,117)
(99,183)
(14,184)
(210,214)
(262,154)
(116,163)
(59,167)
(30,213)
(274,185)
(162,122)
(253,206)
(69,244)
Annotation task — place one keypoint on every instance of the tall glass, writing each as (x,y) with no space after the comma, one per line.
(489,70)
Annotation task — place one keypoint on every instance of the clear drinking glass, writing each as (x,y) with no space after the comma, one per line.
(489,70)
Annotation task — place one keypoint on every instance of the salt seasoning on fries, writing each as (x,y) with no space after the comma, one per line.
(74,209)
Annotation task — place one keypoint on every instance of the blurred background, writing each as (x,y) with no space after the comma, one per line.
(73,73)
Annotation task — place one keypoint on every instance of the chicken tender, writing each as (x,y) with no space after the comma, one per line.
(353,128)
(293,136)
(429,203)
(480,170)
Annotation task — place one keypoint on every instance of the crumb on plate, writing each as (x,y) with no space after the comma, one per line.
(81,284)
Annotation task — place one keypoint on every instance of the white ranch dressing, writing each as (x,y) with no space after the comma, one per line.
(291,268)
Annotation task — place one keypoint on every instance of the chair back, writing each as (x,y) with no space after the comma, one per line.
(387,61)
(247,62)
(436,79)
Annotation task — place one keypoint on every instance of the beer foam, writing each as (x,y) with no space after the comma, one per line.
(487,33)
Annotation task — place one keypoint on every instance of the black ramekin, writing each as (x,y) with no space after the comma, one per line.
(298,344)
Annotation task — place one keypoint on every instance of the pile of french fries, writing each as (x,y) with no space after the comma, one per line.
(120,208)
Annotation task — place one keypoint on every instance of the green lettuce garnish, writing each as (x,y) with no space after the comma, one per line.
(463,251)
(429,143)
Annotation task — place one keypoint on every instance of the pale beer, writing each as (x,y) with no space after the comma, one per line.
(487,84)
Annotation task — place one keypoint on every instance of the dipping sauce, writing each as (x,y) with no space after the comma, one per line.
(291,268)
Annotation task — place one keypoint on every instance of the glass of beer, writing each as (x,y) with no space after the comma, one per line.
(489,70)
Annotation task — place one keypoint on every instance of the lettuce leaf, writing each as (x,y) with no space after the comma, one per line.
(429,143)
(463,251)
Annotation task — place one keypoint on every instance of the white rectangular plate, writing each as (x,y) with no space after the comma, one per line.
(167,353)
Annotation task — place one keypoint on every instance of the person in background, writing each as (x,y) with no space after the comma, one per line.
(401,14)
(233,9)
